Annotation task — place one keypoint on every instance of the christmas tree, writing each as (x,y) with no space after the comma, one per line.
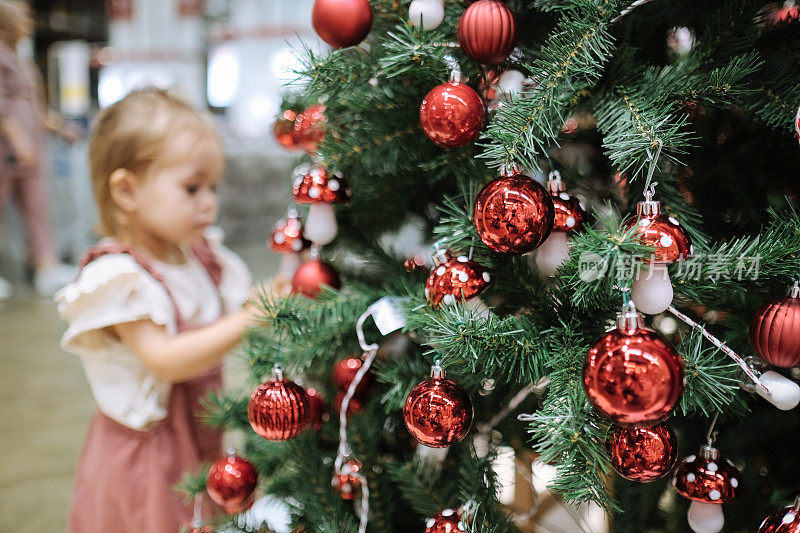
(627,343)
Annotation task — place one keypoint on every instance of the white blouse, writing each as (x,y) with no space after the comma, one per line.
(114,289)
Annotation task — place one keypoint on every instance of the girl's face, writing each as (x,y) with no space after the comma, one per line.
(177,196)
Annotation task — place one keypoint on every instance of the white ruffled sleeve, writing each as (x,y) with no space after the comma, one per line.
(111,290)
(236,276)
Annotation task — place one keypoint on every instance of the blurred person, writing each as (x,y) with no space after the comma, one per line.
(22,122)
(157,305)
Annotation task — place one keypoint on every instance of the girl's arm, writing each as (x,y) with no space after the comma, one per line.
(186,355)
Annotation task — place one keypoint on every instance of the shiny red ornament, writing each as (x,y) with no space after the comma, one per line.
(454,280)
(317,409)
(311,276)
(342,23)
(278,409)
(447,521)
(438,412)
(487,31)
(452,115)
(775,332)
(643,453)
(287,236)
(707,477)
(786,520)
(345,371)
(309,128)
(283,129)
(347,484)
(231,482)
(632,375)
(513,214)
(569,213)
(662,232)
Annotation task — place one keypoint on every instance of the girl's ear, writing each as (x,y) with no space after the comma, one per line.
(124,187)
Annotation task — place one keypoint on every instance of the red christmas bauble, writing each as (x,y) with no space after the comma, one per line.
(643,453)
(438,412)
(317,408)
(632,375)
(456,280)
(707,477)
(231,482)
(318,185)
(345,371)
(513,214)
(786,520)
(348,484)
(447,521)
(569,213)
(283,129)
(310,277)
(279,409)
(775,332)
(342,23)
(287,236)
(452,115)
(487,31)
(662,232)
(309,128)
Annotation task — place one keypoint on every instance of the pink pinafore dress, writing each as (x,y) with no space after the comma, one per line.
(125,477)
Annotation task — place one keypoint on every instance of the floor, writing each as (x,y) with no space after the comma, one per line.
(45,406)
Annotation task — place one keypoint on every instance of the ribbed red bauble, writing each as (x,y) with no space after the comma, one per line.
(278,409)
(344,372)
(452,115)
(513,214)
(309,128)
(447,521)
(643,453)
(632,375)
(455,279)
(786,520)
(342,23)
(487,31)
(311,276)
(775,331)
(283,129)
(231,481)
(438,412)
(347,483)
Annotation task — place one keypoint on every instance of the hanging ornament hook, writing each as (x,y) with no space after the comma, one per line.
(653,163)
(455,68)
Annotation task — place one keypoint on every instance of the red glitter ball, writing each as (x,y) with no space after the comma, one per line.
(643,453)
(452,115)
(438,412)
(231,482)
(309,128)
(513,214)
(633,377)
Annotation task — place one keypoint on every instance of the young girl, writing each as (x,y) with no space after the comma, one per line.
(155,308)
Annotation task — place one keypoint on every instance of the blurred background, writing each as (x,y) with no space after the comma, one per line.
(229,56)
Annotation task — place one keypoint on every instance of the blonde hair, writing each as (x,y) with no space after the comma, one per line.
(12,14)
(132,134)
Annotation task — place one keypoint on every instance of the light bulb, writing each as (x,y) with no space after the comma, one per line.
(426,14)
(552,253)
(705,517)
(652,289)
(321,224)
(783,392)
(290,262)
